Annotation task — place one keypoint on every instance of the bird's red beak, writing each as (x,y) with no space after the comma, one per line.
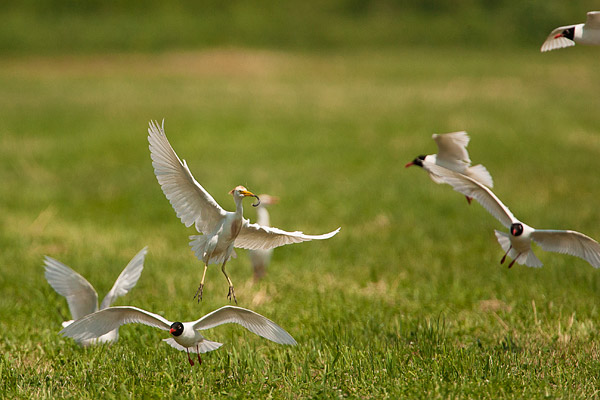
(171,331)
(409,164)
(557,36)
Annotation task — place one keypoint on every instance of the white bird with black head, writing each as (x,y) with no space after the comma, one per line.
(452,154)
(221,230)
(186,336)
(566,36)
(517,244)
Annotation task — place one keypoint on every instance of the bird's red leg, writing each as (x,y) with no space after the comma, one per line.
(505,254)
(189,358)
(198,353)
(513,261)
(469,199)
(201,287)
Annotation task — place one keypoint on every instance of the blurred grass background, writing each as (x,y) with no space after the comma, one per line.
(76,26)
(322,105)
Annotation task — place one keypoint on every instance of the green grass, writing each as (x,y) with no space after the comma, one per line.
(92,26)
(408,300)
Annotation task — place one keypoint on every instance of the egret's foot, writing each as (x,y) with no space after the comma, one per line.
(231,295)
(512,262)
(199,359)
(199,292)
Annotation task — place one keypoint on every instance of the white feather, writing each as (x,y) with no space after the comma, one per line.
(203,347)
(191,202)
(250,320)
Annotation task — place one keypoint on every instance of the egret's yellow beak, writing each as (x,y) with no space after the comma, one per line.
(246,193)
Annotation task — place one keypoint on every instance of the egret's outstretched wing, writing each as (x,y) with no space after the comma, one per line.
(127,279)
(101,322)
(255,237)
(471,188)
(569,242)
(452,148)
(593,20)
(80,295)
(191,202)
(552,42)
(250,320)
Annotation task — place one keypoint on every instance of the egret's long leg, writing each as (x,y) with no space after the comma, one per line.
(198,353)
(505,254)
(201,287)
(231,291)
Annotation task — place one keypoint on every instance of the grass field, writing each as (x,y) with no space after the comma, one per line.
(408,300)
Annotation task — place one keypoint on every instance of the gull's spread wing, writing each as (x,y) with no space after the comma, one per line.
(80,295)
(250,320)
(127,279)
(593,20)
(191,202)
(471,188)
(101,322)
(452,148)
(569,242)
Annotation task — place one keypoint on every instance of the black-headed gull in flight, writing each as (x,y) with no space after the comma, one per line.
(185,335)
(517,244)
(221,230)
(81,296)
(565,36)
(261,258)
(452,154)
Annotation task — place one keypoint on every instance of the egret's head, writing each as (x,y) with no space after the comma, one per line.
(176,329)
(417,161)
(516,229)
(241,192)
(567,33)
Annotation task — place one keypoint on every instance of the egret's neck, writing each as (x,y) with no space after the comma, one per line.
(263,216)
(239,208)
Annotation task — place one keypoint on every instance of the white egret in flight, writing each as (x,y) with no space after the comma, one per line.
(452,154)
(220,230)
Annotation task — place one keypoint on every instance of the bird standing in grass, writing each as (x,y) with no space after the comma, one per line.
(261,258)
(221,230)
(517,244)
(452,154)
(186,335)
(81,296)
(566,36)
